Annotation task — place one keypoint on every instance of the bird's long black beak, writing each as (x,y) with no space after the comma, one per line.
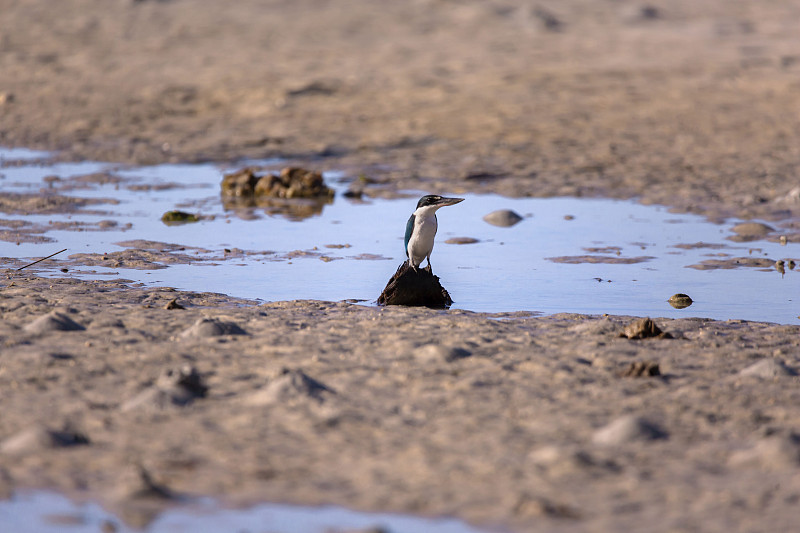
(449,201)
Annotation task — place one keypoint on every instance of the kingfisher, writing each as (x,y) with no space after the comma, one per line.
(421,228)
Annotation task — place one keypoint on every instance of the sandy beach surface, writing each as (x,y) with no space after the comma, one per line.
(508,420)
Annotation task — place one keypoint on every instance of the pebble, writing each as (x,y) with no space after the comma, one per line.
(768,368)
(503,218)
(212,327)
(628,428)
(680,301)
(436,353)
(53,321)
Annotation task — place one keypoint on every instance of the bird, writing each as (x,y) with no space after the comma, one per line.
(421,229)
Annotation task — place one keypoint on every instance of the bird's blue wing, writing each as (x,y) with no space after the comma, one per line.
(409,230)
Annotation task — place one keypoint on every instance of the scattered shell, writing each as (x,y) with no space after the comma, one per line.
(433,353)
(680,301)
(503,218)
(642,329)
(628,429)
(212,327)
(53,321)
(768,368)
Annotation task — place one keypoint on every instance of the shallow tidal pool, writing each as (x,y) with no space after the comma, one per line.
(573,255)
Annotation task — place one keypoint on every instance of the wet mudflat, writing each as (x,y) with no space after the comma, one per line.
(141,397)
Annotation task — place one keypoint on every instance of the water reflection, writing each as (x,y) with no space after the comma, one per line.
(295,209)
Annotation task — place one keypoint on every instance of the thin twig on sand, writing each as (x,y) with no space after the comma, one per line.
(40,260)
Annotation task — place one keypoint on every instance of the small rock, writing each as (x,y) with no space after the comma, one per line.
(642,329)
(178,217)
(641,369)
(768,368)
(212,327)
(503,218)
(461,240)
(436,353)
(353,193)
(240,183)
(628,429)
(290,385)
(53,321)
(173,304)
(680,301)
(38,438)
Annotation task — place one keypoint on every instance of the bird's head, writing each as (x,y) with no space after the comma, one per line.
(434,200)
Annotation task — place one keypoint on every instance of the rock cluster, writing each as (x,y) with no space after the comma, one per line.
(292,182)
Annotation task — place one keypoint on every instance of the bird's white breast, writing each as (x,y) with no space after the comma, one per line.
(420,244)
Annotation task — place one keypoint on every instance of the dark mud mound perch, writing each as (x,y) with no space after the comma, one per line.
(416,288)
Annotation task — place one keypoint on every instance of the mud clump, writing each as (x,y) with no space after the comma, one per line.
(292,182)
(644,328)
(412,287)
(641,369)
